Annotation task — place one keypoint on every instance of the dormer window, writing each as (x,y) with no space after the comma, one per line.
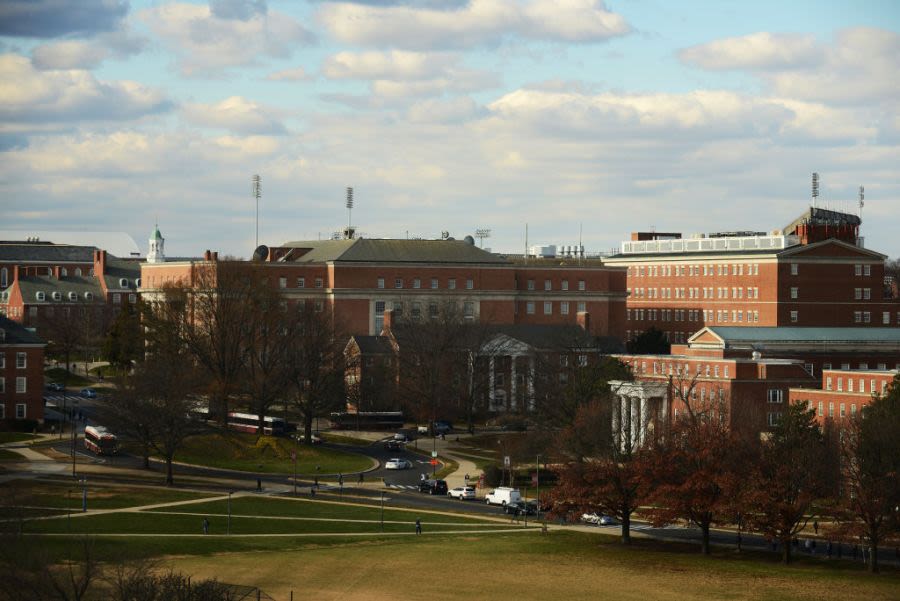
(78,271)
(123,283)
(57,296)
(40,296)
(73,296)
(137,283)
(88,296)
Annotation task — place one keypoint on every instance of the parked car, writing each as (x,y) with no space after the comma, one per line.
(590,518)
(521,508)
(433,487)
(502,496)
(401,437)
(393,445)
(397,464)
(313,440)
(607,520)
(462,492)
(55,387)
(88,393)
(442,427)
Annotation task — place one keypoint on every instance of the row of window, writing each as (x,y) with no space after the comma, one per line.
(860,387)
(676,369)
(301,282)
(63,272)
(548,307)
(21,411)
(862,366)
(672,337)
(21,360)
(704,315)
(21,385)
(416,283)
(563,285)
(696,293)
(707,269)
(866,317)
(820,410)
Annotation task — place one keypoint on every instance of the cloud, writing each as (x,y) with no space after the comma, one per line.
(243,10)
(235,114)
(480,22)
(87,54)
(205,43)
(31,96)
(53,18)
(296,74)
(757,51)
(859,66)
(394,65)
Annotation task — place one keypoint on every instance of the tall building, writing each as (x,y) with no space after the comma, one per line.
(812,273)
(21,372)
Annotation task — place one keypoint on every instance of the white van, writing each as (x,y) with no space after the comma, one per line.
(502,496)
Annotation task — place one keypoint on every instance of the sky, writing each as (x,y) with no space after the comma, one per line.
(577,118)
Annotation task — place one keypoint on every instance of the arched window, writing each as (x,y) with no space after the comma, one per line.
(78,271)
(63,271)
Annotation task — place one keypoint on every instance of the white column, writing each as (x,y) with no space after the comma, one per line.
(513,402)
(635,422)
(625,420)
(643,424)
(491,384)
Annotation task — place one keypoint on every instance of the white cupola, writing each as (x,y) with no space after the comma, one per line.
(156,253)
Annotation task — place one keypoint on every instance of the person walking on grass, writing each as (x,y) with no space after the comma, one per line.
(205,525)
(418,526)
(816,527)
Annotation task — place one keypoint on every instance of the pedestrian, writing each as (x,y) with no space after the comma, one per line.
(467,477)
(816,527)
(341,479)
(828,550)
(205,525)
(259,485)
(418,526)
(360,477)
(316,481)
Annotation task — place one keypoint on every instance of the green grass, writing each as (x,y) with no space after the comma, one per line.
(62,495)
(7,455)
(15,437)
(343,439)
(268,454)
(56,375)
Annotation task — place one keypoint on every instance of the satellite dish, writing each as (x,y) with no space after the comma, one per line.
(469,240)
(261,253)
(445,234)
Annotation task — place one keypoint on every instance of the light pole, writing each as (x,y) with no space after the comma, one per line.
(537,482)
(228,528)
(84,494)
(74,437)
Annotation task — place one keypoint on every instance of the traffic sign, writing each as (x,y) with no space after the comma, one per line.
(434,453)
(293,455)
(506,461)
(433,462)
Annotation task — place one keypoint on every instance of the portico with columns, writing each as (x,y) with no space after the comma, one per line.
(638,410)
(508,356)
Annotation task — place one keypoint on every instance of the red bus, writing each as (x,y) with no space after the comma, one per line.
(100,441)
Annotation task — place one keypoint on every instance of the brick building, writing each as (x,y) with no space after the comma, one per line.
(21,372)
(360,279)
(812,273)
(843,393)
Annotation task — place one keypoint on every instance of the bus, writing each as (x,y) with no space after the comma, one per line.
(249,422)
(367,420)
(100,441)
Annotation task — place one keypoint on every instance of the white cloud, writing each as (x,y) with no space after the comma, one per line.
(395,65)
(236,114)
(480,22)
(761,50)
(29,95)
(87,54)
(207,44)
(296,74)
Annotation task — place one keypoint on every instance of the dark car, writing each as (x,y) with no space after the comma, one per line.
(433,487)
(393,445)
(521,508)
(55,387)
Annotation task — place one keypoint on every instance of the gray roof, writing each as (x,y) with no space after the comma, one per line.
(16,333)
(116,269)
(373,250)
(31,285)
(373,345)
(118,243)
(45,252)
(804,335)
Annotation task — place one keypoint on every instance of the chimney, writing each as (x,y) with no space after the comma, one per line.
(271,258)
(388,322)
(215,255)
(207,255)
(583,318)
(99,262)
(56,271)
(15,273)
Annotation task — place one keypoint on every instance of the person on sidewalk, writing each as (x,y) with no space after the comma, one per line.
(816,527)
(418,526)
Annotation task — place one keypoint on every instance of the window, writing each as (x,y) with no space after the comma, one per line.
(529,307)
(774,417)
(380,283)
(21,360)
(548,308)
(548,285)
(583,360)
(451,284)
(867,270)
(581,285)
(563,360)
(821,410)
(499,380)
(840,384)
(20,411)
(417,283)
(2,386)
(32,311)
(795,268)
(795,292)
(398,282)
(301,283)
(469,310)
(857,293)
(867,317)
(849,384)
(581,306)
(564,308)
(886,318)
(531,284)
(828,383)
(565,285)
(775,395)
(794,316)
(857,269)
(320,306)
(282,282)
(21,386)
(434,283)
(379,316)
(432,310)
(132,298)
(867,294)
(830,409)
(857,317)
(470,284)
(416,310)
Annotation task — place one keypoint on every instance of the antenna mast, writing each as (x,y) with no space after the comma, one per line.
(815,188)
(257,192)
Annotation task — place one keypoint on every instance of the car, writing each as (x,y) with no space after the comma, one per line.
(55,387)
(301,438)
(422,429)
(590,518)
(88,393)
(521,508)
(607,520)
(401,437)
(393,445)
(397,464)
(503,495)
(433,487)
(442,427)
(462,492)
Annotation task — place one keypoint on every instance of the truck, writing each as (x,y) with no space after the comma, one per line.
(503,495)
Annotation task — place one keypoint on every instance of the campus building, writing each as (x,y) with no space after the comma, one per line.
(843,393)
(360,279)
(21,372)
(812,273)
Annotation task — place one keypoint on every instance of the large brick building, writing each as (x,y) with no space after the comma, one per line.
(843,393)
(360,279)
(812,273)
(21,372)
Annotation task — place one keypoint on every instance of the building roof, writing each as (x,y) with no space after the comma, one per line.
(373,345)
(15,333)
(118,269)
(374,250)
(744,336)
(31,285)
(116,243)
(45,252)
(563,336)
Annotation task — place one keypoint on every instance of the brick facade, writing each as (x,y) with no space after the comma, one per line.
(21,373)
(843,393)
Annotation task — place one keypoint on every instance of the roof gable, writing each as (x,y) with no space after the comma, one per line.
(831,248)
(374,250)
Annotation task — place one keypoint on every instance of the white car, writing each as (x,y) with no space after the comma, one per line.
(462,492)
(397,464)
(590,518)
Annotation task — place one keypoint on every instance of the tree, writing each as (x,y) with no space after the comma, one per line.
(870,454)
(130,416)
(315,362)
(650,342)
(124,343)
(790,474)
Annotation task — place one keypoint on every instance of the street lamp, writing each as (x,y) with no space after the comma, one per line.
(228,528)
(537,482)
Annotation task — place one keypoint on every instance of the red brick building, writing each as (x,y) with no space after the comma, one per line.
(21,373)
(812,273)
(843,393)
(360,279)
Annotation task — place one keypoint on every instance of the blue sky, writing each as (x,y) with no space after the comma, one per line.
(445,115)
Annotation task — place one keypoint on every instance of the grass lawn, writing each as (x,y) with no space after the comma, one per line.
(7,455)
(344,439)
(56,374)
(15,437)
(61,495)
(268,454)
(561,565)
